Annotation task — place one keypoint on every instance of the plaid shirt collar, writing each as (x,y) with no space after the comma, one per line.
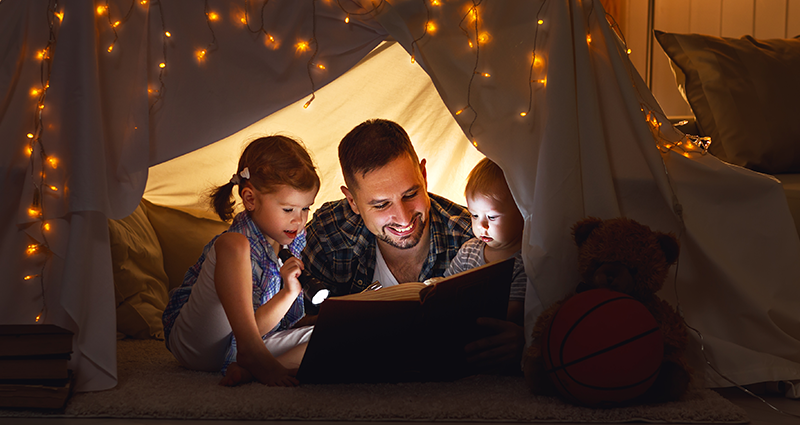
(347,240)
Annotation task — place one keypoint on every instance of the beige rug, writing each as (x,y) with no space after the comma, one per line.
(153,385)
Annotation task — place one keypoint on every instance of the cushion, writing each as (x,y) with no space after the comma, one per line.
(182,235)
(745,94)
(140,283)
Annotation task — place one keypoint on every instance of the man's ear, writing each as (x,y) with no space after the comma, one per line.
(350,199)
(248,198)
(424,172)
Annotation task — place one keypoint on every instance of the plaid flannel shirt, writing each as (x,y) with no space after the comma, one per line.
(341,250)
(266,280)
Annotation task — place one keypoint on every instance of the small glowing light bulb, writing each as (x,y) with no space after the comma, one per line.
(168,34)
(29,277)
(116,24)
(29,150)
(540,22)
(60,16)
(53,188)
(41,54)
(347,19)
(431,27)
(162,65)
(629,51)
(436,3)
(201,54)
(458,112)
(243,21)
(271,38)
(32,248)
(320,66)
(52,161)
(110,48)
(413,60)
(542,81)
(301,46)
(47,227)
(484,38)
(475,143)
(143,2)
(522,114)
(307,104)
(30,135)
(41,106)
(101,10)
(486,74)
(34,212)
(470,44)
(212,16)
(588,38)
(35,92)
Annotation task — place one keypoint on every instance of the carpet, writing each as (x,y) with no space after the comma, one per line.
(153,385)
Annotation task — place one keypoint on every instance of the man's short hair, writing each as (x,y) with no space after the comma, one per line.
(485,179)
(371,145)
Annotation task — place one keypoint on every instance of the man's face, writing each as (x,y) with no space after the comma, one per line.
(393,201)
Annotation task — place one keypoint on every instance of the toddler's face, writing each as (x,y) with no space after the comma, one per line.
(497,223)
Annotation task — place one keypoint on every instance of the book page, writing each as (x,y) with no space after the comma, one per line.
(402,292)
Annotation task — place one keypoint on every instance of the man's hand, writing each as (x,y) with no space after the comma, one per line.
(500,350)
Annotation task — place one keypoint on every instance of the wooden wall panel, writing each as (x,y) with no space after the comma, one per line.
(722,18)
(636,34)
(792,18)
(737,18)
(770,19)
(704,17)
(670,16)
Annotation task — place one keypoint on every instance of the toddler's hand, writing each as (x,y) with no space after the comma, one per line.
(291,270)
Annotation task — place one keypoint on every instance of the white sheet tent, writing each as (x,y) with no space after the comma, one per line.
(583,148)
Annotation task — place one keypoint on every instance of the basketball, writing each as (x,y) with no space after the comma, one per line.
(602,348)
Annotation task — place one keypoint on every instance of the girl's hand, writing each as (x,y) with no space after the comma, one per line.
(290,272)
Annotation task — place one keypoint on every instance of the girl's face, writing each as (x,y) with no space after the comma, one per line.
(282,214)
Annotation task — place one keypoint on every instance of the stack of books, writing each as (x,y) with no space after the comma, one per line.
(33,366)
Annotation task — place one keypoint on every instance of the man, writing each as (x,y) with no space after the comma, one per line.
(390,230)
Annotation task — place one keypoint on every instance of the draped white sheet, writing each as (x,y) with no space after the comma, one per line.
(584,148)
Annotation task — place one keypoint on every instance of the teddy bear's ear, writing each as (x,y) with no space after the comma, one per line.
(582,229)
(670,246)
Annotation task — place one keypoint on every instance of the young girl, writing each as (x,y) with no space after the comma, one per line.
(236,306)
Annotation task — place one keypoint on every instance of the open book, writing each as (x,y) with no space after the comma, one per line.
(408,332)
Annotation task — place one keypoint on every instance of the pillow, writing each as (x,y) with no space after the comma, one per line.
(745,94)
(140,283)
(182,234)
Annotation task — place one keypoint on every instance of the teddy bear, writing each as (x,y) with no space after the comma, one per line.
(623,255)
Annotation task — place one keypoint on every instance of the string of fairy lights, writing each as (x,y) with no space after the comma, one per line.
(471,24)
(40,162)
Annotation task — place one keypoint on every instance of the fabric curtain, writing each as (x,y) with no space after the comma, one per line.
(582,148)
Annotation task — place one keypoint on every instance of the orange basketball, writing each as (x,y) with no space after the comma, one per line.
(602,348)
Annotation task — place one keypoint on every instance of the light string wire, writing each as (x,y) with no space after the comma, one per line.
(163,65)
(690,144)
(35,140)
(533,59)
(313,58)
(424,32)
(115,24)
(472,11)
(261,28)
(375,8)
(213,45)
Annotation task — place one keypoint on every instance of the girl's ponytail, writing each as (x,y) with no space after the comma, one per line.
(222,201)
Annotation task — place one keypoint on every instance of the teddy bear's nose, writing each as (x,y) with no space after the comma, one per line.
(614,276)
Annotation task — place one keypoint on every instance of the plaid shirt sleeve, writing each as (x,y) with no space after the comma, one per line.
(451,227)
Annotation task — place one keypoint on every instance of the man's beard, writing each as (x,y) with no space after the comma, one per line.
(405,242)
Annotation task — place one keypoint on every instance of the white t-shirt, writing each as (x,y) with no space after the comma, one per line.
(382,273)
